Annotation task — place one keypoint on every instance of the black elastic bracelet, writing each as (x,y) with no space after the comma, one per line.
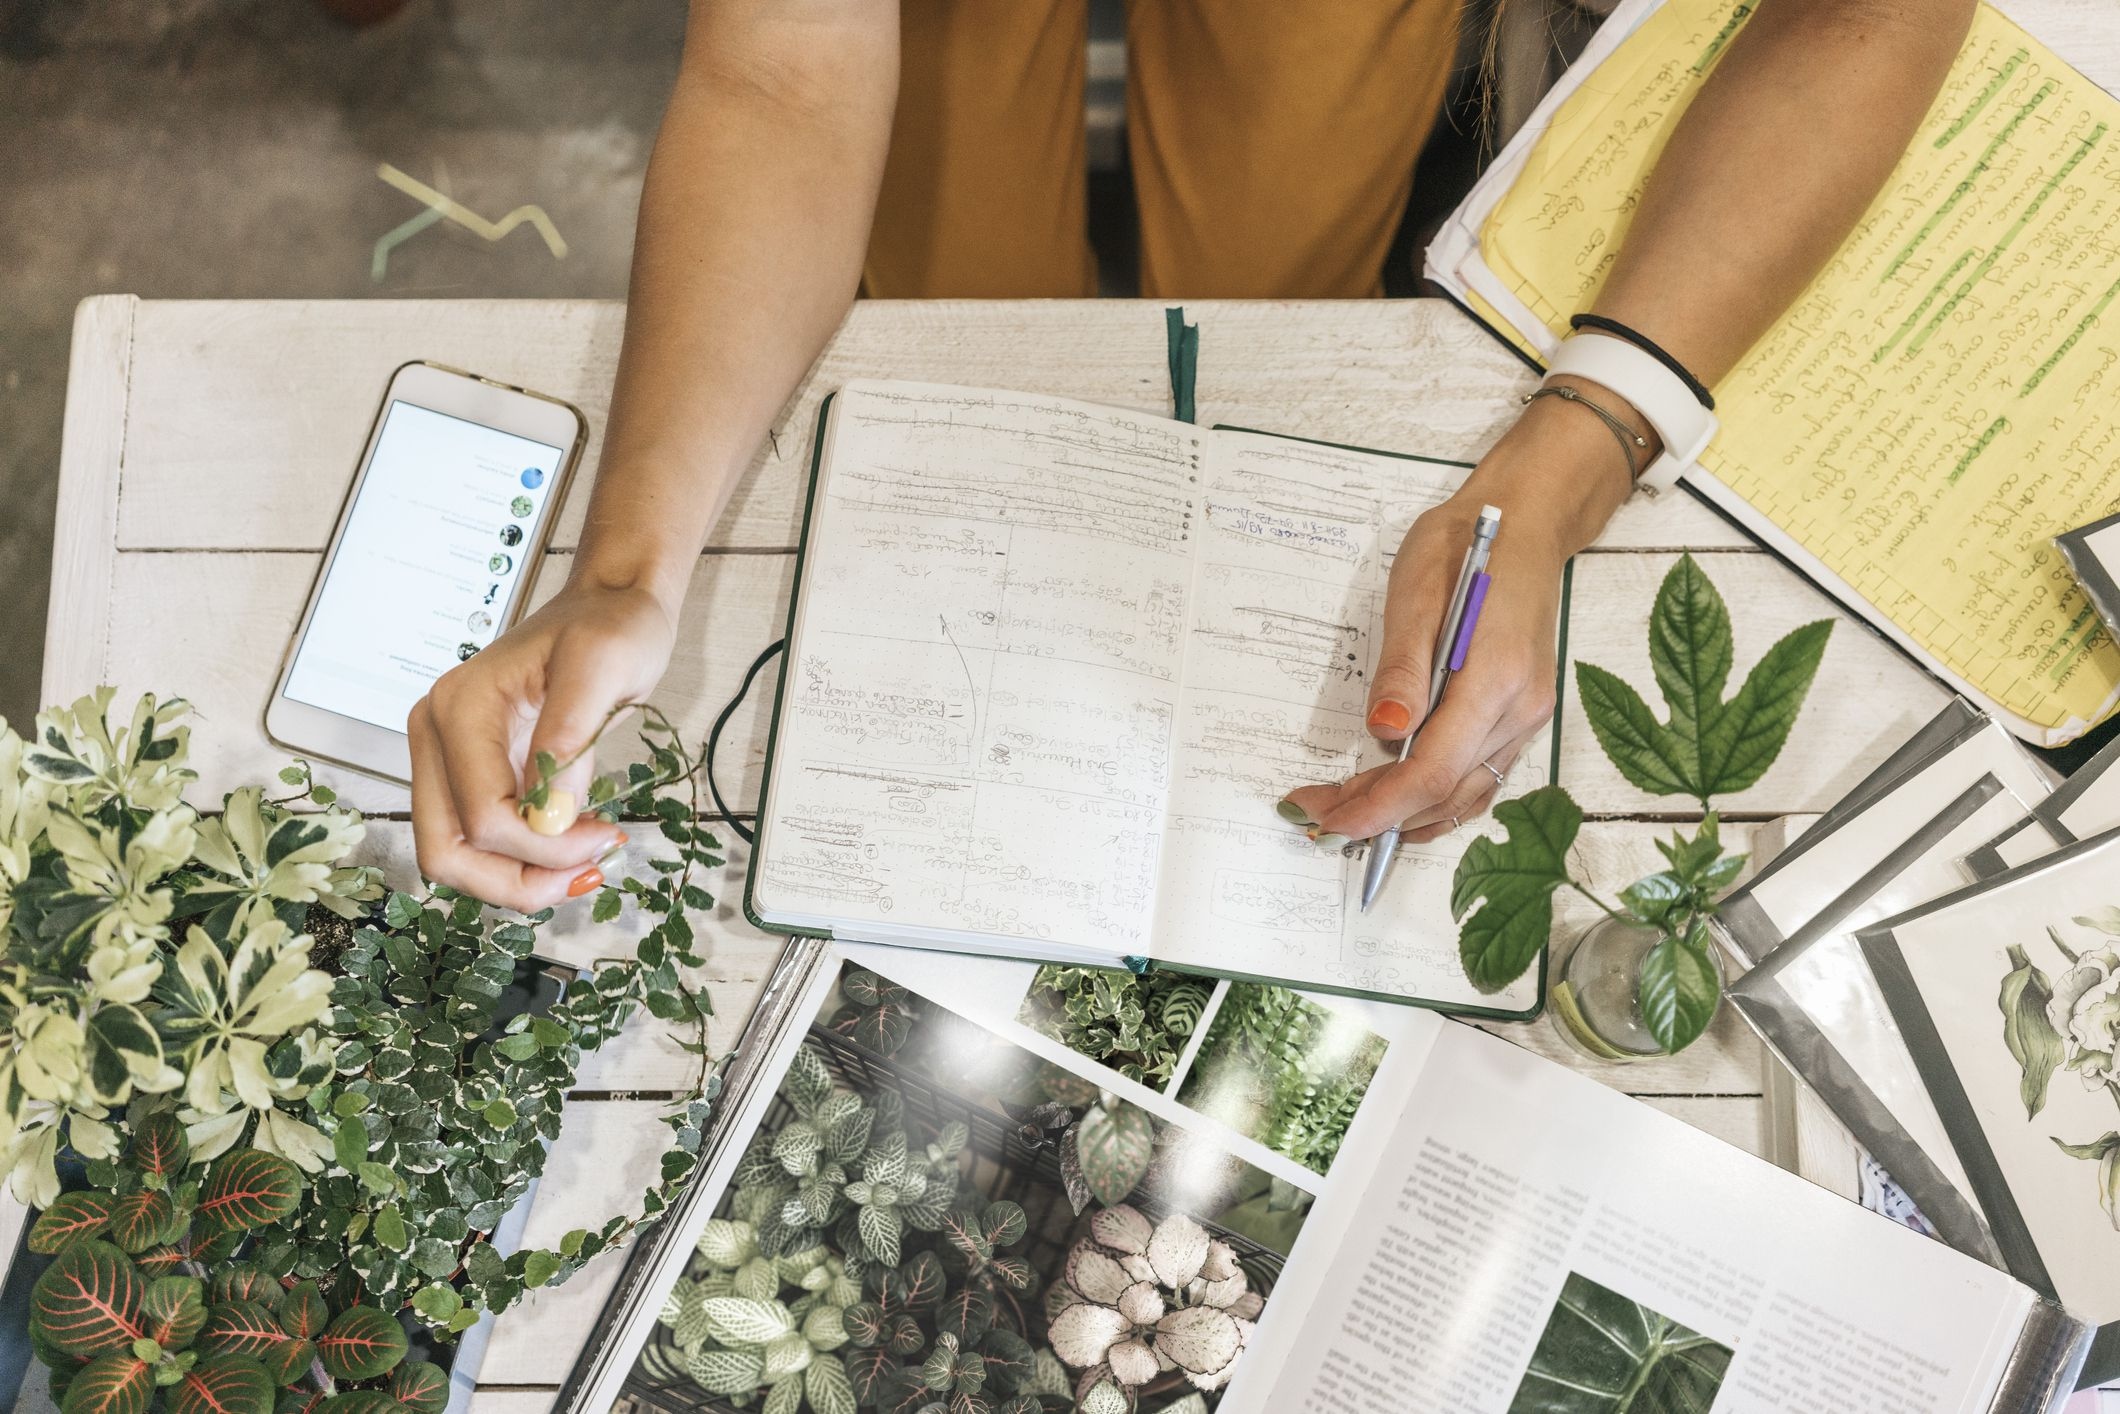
(1649,346)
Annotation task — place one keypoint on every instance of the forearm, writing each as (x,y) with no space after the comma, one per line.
(753,223)
(1784,148)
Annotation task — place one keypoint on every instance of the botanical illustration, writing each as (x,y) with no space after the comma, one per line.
(933,1220)
(1283,1070)
(2070,1021)
(1604,1354)
(1137,1024)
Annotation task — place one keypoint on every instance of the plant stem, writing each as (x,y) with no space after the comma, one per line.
(1609,911)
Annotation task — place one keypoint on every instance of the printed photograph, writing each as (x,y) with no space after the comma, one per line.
(1602,1353)
(2060,1005)
(933,1217)
(1134,1023)
(1283,1070)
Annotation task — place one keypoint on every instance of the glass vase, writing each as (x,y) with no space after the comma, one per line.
(1596,1003)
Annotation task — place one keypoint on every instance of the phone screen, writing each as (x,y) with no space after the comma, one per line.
(431,558)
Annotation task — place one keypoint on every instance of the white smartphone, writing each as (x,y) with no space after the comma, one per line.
(434,555)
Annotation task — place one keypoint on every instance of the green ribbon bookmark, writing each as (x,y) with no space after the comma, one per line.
(1184,361)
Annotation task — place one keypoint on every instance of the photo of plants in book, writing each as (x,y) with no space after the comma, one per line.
(1602,1353)
(1284,1070)
(933,1218)
(1137,1024)
(2069,1020)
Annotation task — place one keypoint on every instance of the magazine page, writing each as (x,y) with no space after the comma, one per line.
(2006,991)
(968,1176)
(1534,1241)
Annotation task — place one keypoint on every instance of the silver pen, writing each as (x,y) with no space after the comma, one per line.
(1465,603)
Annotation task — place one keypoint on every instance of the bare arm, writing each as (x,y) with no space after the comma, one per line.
(1782,150)
(753,223)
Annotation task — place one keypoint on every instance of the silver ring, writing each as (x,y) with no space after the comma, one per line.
(1456,824)
(1499,779)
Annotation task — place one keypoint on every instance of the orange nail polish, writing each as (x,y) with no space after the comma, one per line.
(1389,716)
(585,881)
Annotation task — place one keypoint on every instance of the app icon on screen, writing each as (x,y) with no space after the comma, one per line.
(520,507)
(491,590)
(465,650)
(511,535)
(479,621)
(532,478)
(500,564)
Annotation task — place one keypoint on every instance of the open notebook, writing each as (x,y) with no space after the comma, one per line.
(1487,1232)
(1935,407)
(1050,667)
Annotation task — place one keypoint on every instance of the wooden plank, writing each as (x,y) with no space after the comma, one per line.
(221,651)
(301,378)
(489,1399)
(1866,700)
(231,615)
(91,464)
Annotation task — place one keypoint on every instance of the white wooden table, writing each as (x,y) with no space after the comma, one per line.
(208,445)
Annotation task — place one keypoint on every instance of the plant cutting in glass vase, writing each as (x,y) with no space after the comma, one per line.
(297,1108)
(1654,935)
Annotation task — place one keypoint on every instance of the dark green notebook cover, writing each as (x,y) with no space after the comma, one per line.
(809,506)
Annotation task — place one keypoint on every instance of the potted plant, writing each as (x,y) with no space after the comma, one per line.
(1644,980)
(293,1103)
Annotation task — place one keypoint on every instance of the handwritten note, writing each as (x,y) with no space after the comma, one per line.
(1052,668)
(1942,400)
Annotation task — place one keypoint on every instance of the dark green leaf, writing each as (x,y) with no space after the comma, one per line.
(1512,880)
(248,1188)
(223,1384)
(2037,1047)
(88,1300)
(1680,989)
(117,1383)
(1603,1354)
(1633,740)
(361,1344)
(1750,731)
(72,1217)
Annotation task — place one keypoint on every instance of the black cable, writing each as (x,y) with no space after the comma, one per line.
(742,831)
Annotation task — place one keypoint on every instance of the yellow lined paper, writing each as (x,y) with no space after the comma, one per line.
(1941,401)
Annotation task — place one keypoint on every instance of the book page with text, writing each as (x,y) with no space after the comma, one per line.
(1296,542)
(1538,1241)
(976,730)
(1938,404)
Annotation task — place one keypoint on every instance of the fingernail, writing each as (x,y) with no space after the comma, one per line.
(1293,813)
(556,816)
(1389,716)
(611,851)
(583,882)
(1331,841)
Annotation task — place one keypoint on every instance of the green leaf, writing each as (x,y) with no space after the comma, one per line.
(88,1300)
(72,1218)
(349,1145)
(361,1344)
(539,1267)
(117,1383)
(241,1328)
(1512,880)
(2037,1047)
(247,1189)
(400,910)
(223,1384)
(360,1401)
(173,1311)
(1651,899)
(1603,1354)
(302,1312)
(420,1386)
(606,907)
(377,1178)
(159,1146)
(1707,747)
(1113,1148)
(1751,730)
(142,1220)
(1679,990)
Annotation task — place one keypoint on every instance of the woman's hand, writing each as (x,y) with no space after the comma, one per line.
(1557,475)
(548,684)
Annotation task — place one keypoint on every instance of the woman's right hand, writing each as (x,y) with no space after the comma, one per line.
(548,684)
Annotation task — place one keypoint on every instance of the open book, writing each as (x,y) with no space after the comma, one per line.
(1458,1225)
(1934,408)
(1051,666)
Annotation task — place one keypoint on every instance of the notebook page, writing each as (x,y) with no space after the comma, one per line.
(982,683)
(1296,544)
(1939,402)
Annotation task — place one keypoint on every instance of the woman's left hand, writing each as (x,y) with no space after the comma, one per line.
(1557,476)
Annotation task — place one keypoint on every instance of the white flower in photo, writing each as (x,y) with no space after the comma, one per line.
(1142,1298)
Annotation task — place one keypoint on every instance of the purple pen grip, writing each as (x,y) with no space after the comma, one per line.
(1474,597)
